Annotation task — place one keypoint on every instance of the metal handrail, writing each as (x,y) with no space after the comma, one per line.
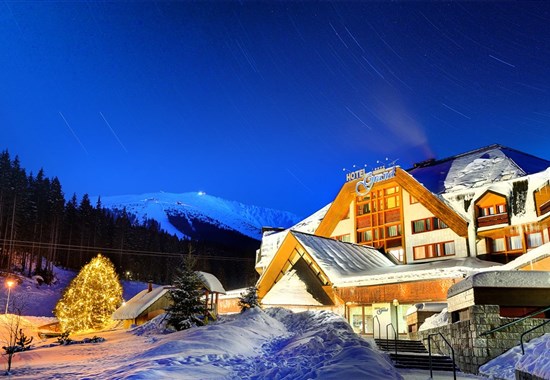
(375,318)
(394,336)
(528,331)
(430,353)
(514,322)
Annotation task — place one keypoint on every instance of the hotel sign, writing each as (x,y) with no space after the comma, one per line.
(364,186)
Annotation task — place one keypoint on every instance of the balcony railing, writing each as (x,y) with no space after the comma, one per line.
(491,220)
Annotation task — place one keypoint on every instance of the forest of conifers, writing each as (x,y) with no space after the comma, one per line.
(39,228)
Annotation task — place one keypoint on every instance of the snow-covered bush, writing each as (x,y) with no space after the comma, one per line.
(249,299)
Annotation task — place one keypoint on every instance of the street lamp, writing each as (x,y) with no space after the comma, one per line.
(9,283)
(396,304)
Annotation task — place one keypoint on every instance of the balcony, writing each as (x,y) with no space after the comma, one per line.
(491,220)
(544,208)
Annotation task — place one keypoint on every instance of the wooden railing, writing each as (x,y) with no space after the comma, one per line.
(491,220)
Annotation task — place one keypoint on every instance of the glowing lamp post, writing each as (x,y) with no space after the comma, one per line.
(396,304)
(9,283)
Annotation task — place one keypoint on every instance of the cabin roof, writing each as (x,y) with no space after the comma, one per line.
(132,308)
(210,282)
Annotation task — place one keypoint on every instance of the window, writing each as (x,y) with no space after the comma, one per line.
(514,243)
(534,239)
(434,250)
(419,226)
(364,236)
(393,231)
(344,238)
(428,224)
(498,245)
(492,209)
(413,200)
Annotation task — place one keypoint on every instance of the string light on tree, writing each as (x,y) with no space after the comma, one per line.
(91,298)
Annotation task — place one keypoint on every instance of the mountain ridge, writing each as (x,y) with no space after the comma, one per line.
(194,210)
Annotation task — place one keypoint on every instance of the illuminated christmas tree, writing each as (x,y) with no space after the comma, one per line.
(91,298)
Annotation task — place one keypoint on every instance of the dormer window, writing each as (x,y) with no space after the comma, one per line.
(542,199)
(492,209)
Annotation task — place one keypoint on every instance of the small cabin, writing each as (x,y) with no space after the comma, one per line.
(211,288)
(144,306)
(151,302)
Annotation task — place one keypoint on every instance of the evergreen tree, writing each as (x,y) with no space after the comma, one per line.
(187,305)
(249,299)
(91,298)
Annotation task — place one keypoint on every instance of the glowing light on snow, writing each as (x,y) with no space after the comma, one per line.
(201,193)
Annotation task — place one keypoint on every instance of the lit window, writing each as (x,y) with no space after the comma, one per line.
(420,252)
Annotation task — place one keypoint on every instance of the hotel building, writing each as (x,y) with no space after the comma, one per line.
(393,238)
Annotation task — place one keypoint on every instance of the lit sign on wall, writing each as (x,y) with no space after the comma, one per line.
(364,186)
(352,176)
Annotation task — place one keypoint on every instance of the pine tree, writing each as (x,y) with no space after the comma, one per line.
(91,297)
(249,299)
(187,305)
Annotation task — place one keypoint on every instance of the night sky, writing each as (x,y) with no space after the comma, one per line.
(265,103)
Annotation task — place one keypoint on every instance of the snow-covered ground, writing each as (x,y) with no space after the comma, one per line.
(271,344)
(535,361)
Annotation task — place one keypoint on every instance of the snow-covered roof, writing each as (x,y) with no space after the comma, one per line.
(528,258)
(435,307)
(477,168)
(339,259)
(272,241)
(139,303)
(211,282)
(502,279)
(450,268)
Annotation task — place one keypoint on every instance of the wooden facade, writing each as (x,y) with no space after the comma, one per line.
(406,292)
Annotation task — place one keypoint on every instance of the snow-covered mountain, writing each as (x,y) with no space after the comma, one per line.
(196,214)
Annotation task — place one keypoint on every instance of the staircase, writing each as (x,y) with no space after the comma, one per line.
(413,354)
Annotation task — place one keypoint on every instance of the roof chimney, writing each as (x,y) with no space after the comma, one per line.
(149,286)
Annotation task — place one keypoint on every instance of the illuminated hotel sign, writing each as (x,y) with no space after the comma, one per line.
(364,186)
(352,176)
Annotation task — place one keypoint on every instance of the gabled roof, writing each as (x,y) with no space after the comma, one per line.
(335,259)
(271,241)
(476,168)
(132,308)
(340,259)
(340,207)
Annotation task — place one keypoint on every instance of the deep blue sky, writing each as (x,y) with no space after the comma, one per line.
(265,103)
